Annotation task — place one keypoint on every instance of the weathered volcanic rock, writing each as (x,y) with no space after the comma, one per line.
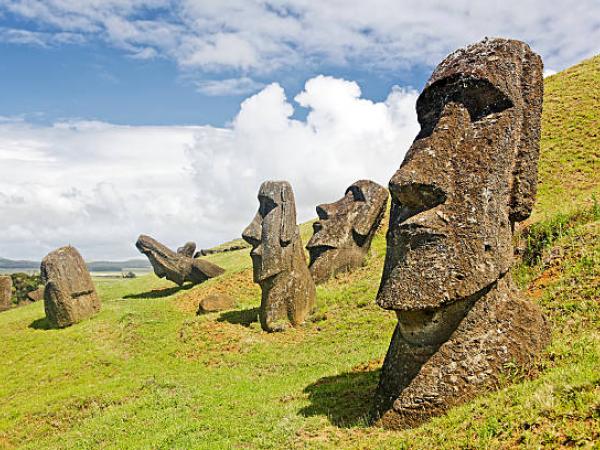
(69,294)
(469,176)
(176,267)
(5,292)
(215,302)
(188,249)
(288,290)
(343,234)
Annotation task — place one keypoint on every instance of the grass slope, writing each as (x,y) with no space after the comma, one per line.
(147,373)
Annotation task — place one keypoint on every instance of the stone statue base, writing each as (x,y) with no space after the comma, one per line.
(425,374)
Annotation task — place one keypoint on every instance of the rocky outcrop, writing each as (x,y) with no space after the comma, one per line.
(176,267)
(343,234)
(279,264)
(469,176)
(69,293)
(5,292)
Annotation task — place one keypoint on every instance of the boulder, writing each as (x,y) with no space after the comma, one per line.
(215,302)
(69,293)
(36,295)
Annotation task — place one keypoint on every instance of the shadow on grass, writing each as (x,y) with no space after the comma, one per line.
(160,293)
(41,324)
(244,317)
(345,399)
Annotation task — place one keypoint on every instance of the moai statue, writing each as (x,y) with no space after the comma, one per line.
(288,290)
(343,234)
(188,249)
(469,176)
(5,292)
(176,267)
(69,293)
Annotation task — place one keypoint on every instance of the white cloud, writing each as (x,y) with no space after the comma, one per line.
(254,38)
(549,72)
(97,185)
(228,86)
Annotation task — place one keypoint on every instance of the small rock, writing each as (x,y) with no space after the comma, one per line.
(215,302)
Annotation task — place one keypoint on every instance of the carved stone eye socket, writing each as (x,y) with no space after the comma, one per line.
(480,97)
(357,194)
(266,205)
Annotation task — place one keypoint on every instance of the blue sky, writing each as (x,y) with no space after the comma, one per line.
(121,117)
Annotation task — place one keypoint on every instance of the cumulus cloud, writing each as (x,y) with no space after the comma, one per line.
(254,38)
(97,185)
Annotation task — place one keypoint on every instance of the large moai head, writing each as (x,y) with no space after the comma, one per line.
(279,264)
(468,177)
(69,295)
(272,230)
(342,235)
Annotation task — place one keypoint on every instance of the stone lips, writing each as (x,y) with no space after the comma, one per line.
(279,264)
(5,292)
(69,293)
(343,234)
(176,267)
(468,177)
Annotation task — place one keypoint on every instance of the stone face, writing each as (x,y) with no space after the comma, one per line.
(5,292)
(279,264)
(215,302)
(188,249)
(343,234)
(176,267)
(469,176)
(69,293)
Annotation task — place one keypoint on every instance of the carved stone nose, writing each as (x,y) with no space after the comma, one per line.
(415,195)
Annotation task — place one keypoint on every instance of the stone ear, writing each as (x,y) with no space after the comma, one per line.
(525,171)
(288,215)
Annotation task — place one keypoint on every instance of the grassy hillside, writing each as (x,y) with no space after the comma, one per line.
(148,373)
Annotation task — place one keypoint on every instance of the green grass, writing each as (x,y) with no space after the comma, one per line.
(148,373)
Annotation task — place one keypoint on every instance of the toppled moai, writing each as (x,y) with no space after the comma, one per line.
(5,292)
(343,234)
(188,249)
(279,264)
(69,293)
(176,267)
(467,179)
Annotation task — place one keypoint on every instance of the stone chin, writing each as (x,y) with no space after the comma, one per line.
(326,261)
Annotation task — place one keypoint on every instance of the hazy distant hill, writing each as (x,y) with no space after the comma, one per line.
(96,266)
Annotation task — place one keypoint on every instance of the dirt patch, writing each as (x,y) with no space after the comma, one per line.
(238,285)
